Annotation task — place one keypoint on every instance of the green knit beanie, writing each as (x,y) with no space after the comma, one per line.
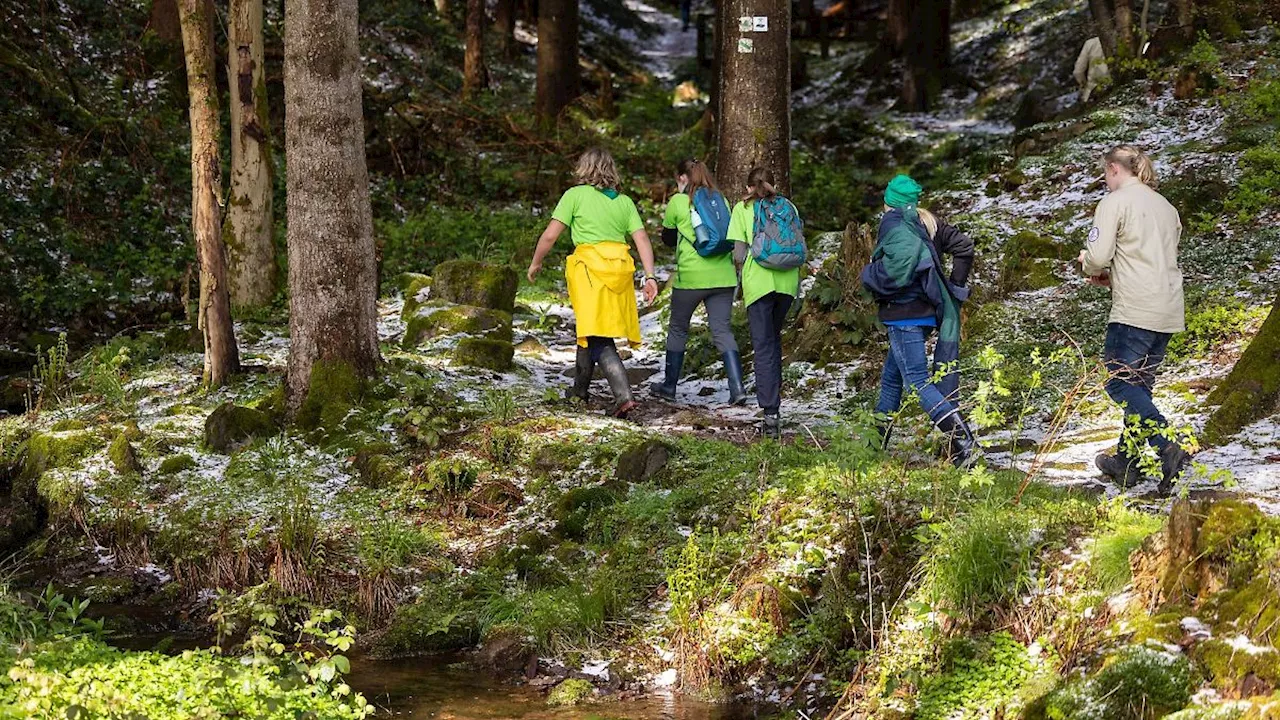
(902,191)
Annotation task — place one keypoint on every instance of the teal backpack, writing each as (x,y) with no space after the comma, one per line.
(778,243)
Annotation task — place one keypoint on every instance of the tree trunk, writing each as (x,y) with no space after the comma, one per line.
(505,21)
(473,72)
(221,356)
(1103,18)
(808,15)
(1252,390)
(898,25)
(1123,14)
(755,94)
(333,281)
(248,235)
(1184,12)
(927,51)
(557,56)
(164,21)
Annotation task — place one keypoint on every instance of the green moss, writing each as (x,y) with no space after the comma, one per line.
(570,692)
(411,284)
(1251,390)
(1228,523)
(58,491)
(377,468)
(46,451)
(335,388)
(484,353)
(230,425)
(468,282)
(1229,660)
(122,455)
(176,463)
(439,319)
(1028,262)
(107,589)
(68,424)
(574,509)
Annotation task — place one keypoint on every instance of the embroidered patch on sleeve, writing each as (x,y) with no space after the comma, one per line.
(1094,234)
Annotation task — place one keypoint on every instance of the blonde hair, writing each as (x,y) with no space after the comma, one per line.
(597,168)
(1135,161)
(929,220)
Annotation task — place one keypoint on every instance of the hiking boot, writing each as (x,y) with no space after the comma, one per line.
(616,373)
(1173,459)
(670,378)
(733,369)
(583,370)
(772,426)
(962,447)
(1120,468)
(622,411)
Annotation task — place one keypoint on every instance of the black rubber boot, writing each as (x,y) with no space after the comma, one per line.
(1172,461)
(616,373)
(670,378)
(963,449)
(733,369)
(1122,469)
(772,426)
(583,371)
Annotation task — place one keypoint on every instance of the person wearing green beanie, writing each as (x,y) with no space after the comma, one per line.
(901,192)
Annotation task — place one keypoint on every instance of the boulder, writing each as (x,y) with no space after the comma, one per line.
(468,282)
(231,425)
(643,461)
(438,318)
(495,355)
(123,456)
(416,289)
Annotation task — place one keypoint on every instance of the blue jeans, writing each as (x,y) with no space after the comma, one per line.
(908,364)
(1133,357)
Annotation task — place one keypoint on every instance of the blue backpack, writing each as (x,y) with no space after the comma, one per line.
(778,243)
(711,238)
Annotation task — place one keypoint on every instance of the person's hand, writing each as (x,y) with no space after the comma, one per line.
(1081,258)
(534,269)
(650,290)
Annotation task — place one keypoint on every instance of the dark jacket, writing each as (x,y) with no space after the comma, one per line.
(912,302)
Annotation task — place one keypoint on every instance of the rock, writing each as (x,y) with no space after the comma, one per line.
(411,282)
(376,467)
(1032,110)
(484,353)
(175,464)
(1029,262)
(438,318)
(468,282)
(123,457)
(643,461)
(54,450)
(507,651)
(571,692)
(416,290)
(231,425)
(531,346)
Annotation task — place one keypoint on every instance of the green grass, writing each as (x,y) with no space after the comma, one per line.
(1122,533)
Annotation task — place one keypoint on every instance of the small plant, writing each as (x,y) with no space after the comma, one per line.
(500,406)
(1124,531)
(53,376)
(503,445)
(447,477)
(978,560)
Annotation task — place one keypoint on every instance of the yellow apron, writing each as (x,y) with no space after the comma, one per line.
(601,280)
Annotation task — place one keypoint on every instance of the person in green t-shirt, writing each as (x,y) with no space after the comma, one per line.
(600,273)
(707,281)
(768,295)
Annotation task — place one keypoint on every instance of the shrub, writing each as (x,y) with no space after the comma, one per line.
(977,677)
(979,559)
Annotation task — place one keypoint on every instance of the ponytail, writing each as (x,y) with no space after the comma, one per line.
(929,220)
(759,185)
(1136,162)
(699,175)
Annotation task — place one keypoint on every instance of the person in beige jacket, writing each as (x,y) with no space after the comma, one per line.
(1133,249)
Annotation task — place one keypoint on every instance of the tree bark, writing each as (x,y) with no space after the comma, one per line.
(898,25)
(473,72)
(505,22)
(755,94)
(557,57)
(1123,14)
(249,232)
(333,283)
(1252,390)
(927,51)
(1103,18)
(221,356)
(1184,12)
(164,21)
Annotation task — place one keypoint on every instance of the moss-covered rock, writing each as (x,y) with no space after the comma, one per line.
(231,425)
(68,424)
(1028,262)
(54,450)
(468,282)
(439,319)
(1235,661)
(1136,683)
(570,692)
(409,283)
(377,468)
(574,509)
(484,353)
(643,461)
(508,650)
(124,458)
(175,464)
(416,289)
(335,388)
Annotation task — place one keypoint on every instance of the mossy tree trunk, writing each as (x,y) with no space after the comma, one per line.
(473,73)
(1104,18)
(558,83)
(332,271)
(755,94)
(221,356)
(1252,390)
(926,47)
(251,257)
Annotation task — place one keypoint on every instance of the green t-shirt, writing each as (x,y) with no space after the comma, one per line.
(594,217)
(694,272)
(758,281)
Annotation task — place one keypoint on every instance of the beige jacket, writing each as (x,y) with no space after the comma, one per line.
(1135,236)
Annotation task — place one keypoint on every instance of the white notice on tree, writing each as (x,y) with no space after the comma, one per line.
(760,23)
(746,45)
(745,23)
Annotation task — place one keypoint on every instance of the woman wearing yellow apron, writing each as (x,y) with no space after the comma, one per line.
(600,272)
